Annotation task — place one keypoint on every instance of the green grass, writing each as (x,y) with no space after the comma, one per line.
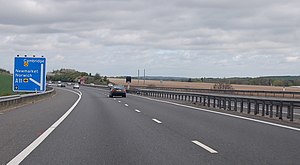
(5,84)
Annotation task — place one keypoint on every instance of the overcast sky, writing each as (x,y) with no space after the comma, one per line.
(189,38)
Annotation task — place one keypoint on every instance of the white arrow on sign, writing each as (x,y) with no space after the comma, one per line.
(42,78)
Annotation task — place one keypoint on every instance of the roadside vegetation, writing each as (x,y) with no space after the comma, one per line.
(71,75)
(265,81)
(5,83)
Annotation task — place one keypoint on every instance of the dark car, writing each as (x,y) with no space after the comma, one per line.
(117,91)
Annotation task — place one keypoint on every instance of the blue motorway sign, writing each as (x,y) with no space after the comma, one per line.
(29,74)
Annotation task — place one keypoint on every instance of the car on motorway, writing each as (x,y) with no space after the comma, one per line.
(117,90)
(76,86)
(61,85)
(110,85)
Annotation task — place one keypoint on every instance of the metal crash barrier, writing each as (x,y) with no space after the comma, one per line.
(15,100)
(278,107)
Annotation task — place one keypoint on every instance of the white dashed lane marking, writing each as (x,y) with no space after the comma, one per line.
(119,101)
(138,111)
(126,105)
(205,147)
(157,121)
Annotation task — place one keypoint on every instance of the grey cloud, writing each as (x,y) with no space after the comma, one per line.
(226,37)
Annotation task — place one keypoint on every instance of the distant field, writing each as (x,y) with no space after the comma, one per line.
(5,84)
(176,84)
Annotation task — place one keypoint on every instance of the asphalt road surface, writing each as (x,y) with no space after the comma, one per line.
(137,130)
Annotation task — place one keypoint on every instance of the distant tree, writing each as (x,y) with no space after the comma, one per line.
(278,83)
(4,71)
(189,80)
(97,76)
(84,74)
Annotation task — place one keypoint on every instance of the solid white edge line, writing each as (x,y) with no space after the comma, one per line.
(205,147)
(157,121)
(22,155)
(138,111)
(225,114)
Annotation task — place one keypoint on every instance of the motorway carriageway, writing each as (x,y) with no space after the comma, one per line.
(86,127)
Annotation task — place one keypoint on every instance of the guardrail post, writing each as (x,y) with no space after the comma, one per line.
(204,100)
(200,99)
(267,109)
(271,110)
(249,107)
(277,110)
(291,112)
(256,106)
(224,103)
(235,104)
(208,101)
(196,99)
(280,110)
(288,112)
(263,109)
(229,104)
(214,104)
(242,106)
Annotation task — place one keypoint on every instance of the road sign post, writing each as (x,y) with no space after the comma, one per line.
(29,74)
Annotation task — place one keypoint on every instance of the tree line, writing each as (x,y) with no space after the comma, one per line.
(267,81)
(70,75)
